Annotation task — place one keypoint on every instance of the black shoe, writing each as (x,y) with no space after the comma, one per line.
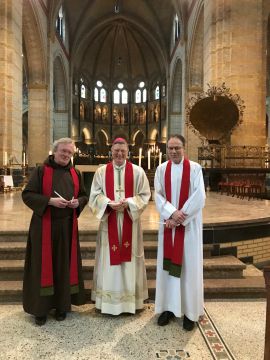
(60,315)
(165,318)
(40,320)
(188,324)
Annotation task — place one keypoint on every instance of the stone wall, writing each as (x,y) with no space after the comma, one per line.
(233,42)
(259,249)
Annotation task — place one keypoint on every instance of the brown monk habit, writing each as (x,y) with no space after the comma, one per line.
(61,236)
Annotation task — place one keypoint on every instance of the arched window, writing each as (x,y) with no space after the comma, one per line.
(116,96)
(157,94)
(60,24)
(144,95)
(120,95)
(141,93)
(100,94)
(96,94)
(83,91)
(176,28)
(103,95)
(124,97)
(138,96)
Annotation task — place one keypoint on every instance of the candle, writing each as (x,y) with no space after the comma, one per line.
(140,156)
(23,158)
(5,158)
(160,158)
(71,159)
(50,152)
(149,159)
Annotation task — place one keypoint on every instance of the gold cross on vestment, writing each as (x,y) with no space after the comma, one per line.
(126,244)
(119,191)
(114,248)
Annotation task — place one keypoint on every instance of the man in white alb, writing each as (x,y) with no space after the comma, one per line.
(180,197)
(119,194)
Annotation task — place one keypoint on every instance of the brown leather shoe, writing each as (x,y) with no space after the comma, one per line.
(165,318)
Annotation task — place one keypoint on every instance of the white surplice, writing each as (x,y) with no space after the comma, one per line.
(119,288)
(181,295)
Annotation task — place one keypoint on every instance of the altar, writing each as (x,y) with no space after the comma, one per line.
(88,172)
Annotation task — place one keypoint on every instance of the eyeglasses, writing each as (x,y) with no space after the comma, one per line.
(176,148)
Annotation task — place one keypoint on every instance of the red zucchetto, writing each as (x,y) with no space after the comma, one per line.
(119,140)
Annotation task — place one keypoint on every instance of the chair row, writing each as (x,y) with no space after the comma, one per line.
(241,189)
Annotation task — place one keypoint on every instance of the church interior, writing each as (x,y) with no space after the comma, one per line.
(143,70)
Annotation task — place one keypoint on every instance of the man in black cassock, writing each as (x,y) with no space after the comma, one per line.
(53,268)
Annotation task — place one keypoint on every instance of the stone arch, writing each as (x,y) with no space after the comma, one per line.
(35,51)
(153,135)
(60,84)
(138,139)
(102,142)
(196,54)
(34,44)
(60,100)
(164,134)
(86,135)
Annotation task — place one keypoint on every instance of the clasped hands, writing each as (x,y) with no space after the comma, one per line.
(62,203)
(120,205)
(176,219)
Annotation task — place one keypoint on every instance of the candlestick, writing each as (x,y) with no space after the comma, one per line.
(140,156)
(160,158)
(149,159)
(5,158)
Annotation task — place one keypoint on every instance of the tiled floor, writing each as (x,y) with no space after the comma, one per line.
(88,335)
(219,209)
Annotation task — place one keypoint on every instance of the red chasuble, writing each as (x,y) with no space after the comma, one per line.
(119,252)
(46,258)
(173,250)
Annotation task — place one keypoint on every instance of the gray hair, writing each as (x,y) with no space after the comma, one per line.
(62,141)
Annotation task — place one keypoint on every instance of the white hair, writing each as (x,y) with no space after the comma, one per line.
(62,141)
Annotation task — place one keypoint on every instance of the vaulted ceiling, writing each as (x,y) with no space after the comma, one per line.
(113,39)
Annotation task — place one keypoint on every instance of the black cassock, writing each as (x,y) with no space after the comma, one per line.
(61,236)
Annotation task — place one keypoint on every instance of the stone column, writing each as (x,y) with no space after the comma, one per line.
(233,53)
(268,114)
(38,124)
(267,326)
(11,79)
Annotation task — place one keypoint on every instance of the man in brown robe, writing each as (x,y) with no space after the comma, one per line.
(53,269)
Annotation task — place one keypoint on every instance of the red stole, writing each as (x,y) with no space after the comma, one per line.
(119,252)
(46,256)
(173,251)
